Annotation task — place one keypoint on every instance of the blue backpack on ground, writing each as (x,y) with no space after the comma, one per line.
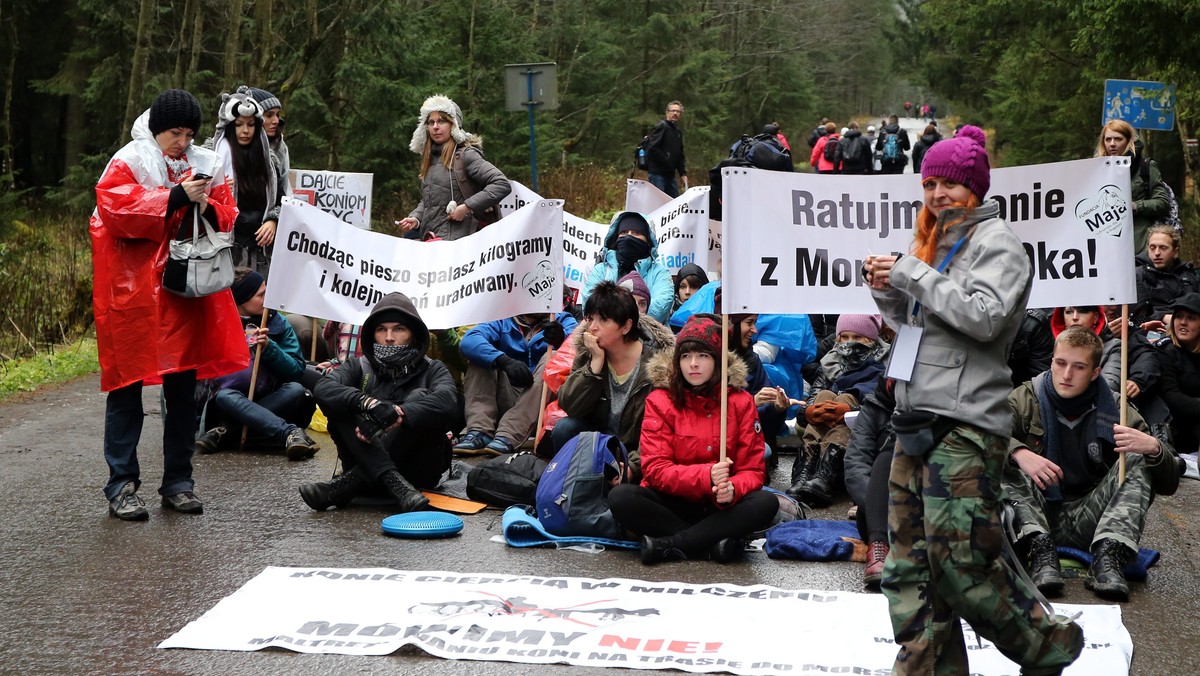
(571,495)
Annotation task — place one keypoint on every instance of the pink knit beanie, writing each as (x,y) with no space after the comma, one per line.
(963,158)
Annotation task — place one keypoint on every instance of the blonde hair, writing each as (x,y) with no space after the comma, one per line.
(1121,127)
(1175,340)
(448,147)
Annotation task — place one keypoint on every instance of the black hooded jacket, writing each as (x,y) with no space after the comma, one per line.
(1158,289)
(425,390)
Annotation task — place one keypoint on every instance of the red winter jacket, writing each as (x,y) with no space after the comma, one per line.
(817,159)
(679,446)
(142,331)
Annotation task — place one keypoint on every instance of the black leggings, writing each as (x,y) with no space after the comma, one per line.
(872,517)
(697,526)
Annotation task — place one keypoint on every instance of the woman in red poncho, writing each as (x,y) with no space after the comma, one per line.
(146,195)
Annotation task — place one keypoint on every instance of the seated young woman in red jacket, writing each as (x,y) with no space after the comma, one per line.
(690,504)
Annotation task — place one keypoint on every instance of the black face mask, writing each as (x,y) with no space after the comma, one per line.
(630,250)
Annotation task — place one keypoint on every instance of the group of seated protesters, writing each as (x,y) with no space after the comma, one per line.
(397,413)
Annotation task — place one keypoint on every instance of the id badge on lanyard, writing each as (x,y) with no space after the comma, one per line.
(908,338)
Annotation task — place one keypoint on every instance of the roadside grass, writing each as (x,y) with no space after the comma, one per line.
(57,364)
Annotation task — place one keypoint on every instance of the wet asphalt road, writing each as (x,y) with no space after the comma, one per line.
(85,593)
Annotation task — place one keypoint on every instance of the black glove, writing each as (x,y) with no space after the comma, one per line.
(519,374)
(381,413)
(369,429)
(554,334)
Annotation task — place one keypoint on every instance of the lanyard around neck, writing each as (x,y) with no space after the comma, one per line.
(943,265)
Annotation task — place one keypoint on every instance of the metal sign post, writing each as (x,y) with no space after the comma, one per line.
(528,86)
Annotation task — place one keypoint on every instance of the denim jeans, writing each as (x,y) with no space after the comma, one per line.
(123,416)
(271,417)
(665,183)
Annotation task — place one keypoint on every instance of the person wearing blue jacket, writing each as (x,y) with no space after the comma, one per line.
(630,245)
(504,360)
(282,407)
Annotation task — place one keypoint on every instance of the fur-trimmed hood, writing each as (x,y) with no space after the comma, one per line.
(442,104)
(660,365)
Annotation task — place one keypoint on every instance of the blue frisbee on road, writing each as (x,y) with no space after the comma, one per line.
(422,525)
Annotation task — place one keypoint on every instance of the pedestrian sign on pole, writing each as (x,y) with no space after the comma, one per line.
(1144,105)
(530,86)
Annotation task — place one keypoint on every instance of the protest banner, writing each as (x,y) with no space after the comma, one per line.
(325,268)
(344,195)
(517,198)
(582,239)
(681,225)
(716,627)
(795,243)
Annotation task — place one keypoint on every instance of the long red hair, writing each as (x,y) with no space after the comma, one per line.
(925,241)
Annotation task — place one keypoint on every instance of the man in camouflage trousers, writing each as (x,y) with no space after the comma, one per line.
(946,535)
(1063,474)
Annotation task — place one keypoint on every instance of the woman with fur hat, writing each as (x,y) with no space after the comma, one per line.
(957,299)
(254,174)
(692,504)
(150,192)
(457,184)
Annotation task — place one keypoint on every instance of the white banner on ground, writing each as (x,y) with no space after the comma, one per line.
(324,268)
(681,224)
(796,242)
(344,195)
(614,622)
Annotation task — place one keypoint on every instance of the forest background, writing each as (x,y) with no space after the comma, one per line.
(352,74)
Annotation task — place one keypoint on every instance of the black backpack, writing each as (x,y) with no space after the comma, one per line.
(640,154)
(852,151)
(506,480)
(833,150)
(763,152)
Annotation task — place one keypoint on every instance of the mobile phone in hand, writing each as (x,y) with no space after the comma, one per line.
(201,177)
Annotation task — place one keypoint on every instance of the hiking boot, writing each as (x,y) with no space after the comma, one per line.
(660,549)
(1044,568)
(877,552)
(300,446)
(473,442)
(336,493)
(819,490)
(210,441)
(727,550)
(803,469)
(1106,575)
(184,503)
(408,498)
(500,446)
(127,506)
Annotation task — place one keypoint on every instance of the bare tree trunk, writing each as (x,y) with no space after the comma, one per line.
(316,38)
(197,43)
(233,44)
(336,106)
(471,53)
(76,120)
(264,42)
(6,148)
(137,70)
(181,45)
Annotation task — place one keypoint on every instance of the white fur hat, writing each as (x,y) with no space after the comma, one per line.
(234,105)
(442,104)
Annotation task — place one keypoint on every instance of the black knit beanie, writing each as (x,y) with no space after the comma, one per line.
(174,108)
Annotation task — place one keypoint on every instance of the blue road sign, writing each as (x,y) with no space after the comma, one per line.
(1144,105)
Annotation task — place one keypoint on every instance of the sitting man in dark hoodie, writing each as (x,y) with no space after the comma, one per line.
(609,381)
(1062,472)
(389,411)
(282,407)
